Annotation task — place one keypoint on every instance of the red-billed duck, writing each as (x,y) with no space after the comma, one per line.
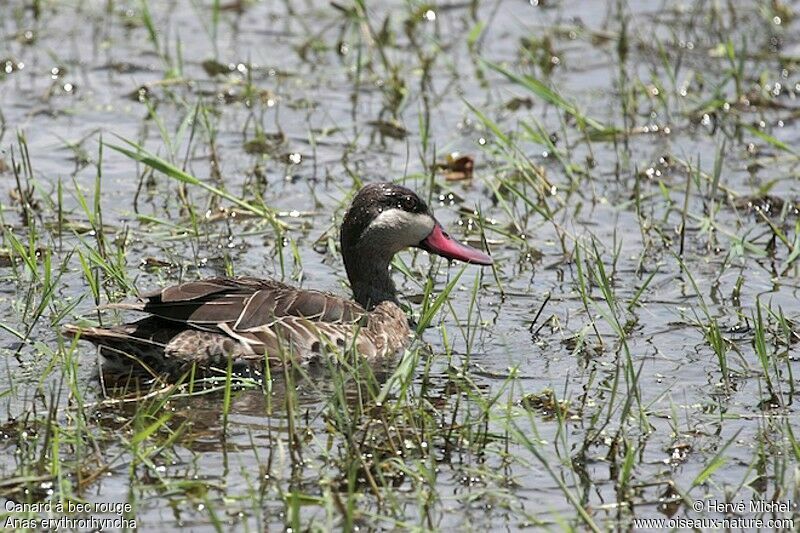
(254,320)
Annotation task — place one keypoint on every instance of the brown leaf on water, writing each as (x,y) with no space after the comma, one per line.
(519,103)
(141,94)
(238,6)
(547,405)
(770,404)
(153,264)
(267,143)
(457,167)
(215,68)
(670,501)
(6,259)
(392,129)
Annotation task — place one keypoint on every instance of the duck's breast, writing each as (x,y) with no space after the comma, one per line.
(387,327)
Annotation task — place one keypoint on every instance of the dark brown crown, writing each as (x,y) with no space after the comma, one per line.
(371,201)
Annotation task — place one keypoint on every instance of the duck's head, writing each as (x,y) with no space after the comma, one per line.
(385,218)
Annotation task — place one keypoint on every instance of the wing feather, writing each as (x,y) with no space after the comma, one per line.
(268,317)
(246,303)
(258,309)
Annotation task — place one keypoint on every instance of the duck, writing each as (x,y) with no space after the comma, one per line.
(249,321)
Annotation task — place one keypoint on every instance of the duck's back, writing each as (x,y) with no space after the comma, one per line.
(250,320)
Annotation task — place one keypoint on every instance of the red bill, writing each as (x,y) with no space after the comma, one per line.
(440,243)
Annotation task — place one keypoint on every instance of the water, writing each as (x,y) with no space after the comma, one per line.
(271,103)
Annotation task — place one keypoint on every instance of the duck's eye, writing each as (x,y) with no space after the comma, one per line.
(408,203)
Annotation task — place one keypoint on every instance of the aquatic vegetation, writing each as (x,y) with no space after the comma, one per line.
(632,166)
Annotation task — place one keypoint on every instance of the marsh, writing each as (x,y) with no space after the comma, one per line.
(630,166)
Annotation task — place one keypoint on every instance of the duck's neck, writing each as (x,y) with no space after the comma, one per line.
(369,277)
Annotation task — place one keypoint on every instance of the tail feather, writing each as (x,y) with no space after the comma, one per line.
(128,306)
(85,333)
(91,334)
(125,348)
(123,333)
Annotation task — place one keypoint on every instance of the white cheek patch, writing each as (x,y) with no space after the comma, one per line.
(395,229)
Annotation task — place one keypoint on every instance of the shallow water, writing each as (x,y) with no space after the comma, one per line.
(272,104)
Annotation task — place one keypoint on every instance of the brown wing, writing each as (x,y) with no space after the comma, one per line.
(246,303)
(207,322)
